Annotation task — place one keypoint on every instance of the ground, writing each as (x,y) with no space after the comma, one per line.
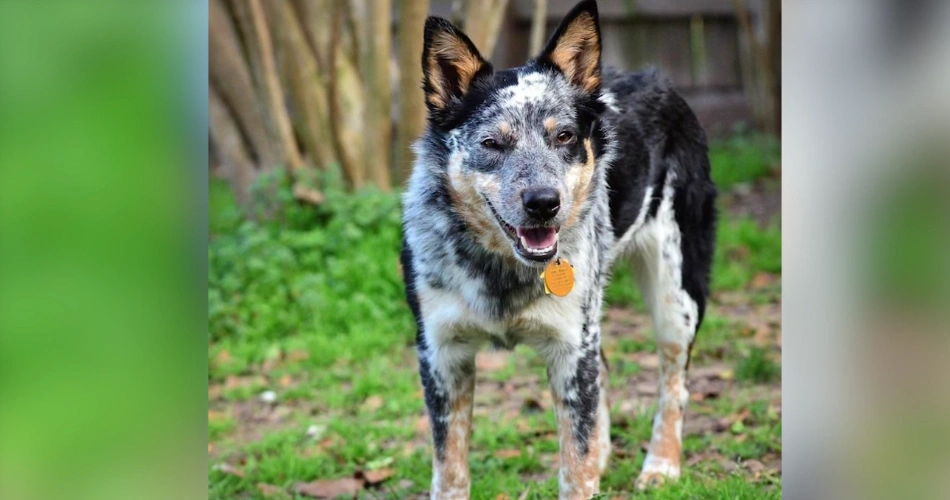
(306,404)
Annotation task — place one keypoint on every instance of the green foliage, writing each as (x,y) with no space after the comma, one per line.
(325,279)
(757,367)
(623,290)
(743,158)
(744,249)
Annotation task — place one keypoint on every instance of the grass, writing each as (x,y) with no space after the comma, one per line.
(757,367)
(308,303)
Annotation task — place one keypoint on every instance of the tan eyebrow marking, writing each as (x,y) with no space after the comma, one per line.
(549,124)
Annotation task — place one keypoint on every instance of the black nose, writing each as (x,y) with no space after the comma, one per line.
(542,203)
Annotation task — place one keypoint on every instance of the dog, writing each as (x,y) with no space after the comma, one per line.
(528,184)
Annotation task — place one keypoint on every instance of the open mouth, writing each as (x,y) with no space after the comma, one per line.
(533,243)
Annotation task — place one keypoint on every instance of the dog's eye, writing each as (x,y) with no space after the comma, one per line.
(565,138)
(491,144)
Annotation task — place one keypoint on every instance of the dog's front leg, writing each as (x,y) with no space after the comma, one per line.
(448,377)
(574,374)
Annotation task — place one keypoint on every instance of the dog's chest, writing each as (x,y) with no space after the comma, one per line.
(463,317)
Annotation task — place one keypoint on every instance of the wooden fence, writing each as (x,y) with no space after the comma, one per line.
(701,45)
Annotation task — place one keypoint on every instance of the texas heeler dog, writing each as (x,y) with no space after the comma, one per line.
(528,184)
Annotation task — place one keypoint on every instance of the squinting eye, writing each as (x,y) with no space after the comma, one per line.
(565,137)
(491,144)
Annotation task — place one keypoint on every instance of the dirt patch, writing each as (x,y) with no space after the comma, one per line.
(761,199)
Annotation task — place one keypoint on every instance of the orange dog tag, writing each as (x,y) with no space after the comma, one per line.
(558,278)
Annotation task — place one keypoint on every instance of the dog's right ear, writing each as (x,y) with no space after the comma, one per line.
(450,66)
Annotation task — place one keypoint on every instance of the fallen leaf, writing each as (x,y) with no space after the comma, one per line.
(741,415)
(502,496)
(285,381)
(330,488)
(210,448)
(234,381)
(308,194)
(372,403)
(222,357)
(507,453)
(763,279)
(214,391)
(377,476)
(214,416)
(297,355)
(228,469)
(746,331)
(269,490)
(755,467)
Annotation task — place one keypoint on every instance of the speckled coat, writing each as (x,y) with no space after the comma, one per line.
(627,160)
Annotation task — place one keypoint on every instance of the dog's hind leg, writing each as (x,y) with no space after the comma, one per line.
(448,377)
(672,262)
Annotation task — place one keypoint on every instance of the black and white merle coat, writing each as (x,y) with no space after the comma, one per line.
(556,159)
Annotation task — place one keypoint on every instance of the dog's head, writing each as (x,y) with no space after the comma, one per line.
(520,143)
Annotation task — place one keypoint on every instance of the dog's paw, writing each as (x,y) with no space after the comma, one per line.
(656,472)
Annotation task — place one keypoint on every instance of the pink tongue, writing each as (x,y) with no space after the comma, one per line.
(537,237)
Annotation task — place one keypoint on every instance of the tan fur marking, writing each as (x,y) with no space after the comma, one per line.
(470,206)
(666,444)
(670,352)
(580,475)
(577,53)
(583,173)
(448,47)
(504,128)
(549,124)
(452,472)
(435,100)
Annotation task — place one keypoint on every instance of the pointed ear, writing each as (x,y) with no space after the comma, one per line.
(575,47)
(450,65)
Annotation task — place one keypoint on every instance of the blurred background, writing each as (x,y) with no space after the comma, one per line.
(313,388)
(318,84)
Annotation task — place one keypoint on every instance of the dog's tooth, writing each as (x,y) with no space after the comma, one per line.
(524,244)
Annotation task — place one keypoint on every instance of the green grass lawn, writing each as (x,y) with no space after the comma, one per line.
(312,371)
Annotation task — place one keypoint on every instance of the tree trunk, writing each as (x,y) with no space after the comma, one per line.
(775,62)
(482,23)
(493,26)
(229,73)
(238,166)
(477,13)
(346,103)
(272,86)
(299,66)
(538,24)
(378,123)
(412,110)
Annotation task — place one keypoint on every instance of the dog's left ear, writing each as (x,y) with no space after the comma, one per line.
(575,47)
